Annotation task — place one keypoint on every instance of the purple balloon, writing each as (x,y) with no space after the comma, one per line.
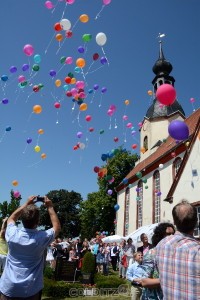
(158,193)
(178,130)
(81,49)
(52,73)
(5,101)
(13,69)
(25,67)
(96,87)
(109,192)
(104,89)
(103,60)
(79,134)
(29,140)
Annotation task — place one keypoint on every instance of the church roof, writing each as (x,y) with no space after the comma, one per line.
(156,110)
(163,153)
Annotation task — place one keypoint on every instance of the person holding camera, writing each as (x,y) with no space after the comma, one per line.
(22,277)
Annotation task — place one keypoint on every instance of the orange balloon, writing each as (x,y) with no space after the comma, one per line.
(150,93)
(73,80)
(40,131)
(37,109)
(80,62)
(143,150)
(58,82)
(59,37)
(126,102)
(43,156)
(83,107)
(84,18)
(15,182)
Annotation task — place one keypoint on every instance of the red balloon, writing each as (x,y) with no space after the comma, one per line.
(69,94)
(134,146)
(88,118)
(166,94)
(96,169)
(68,79)
(36,88)
(116,139)
(91,129)
(57,105)
(57,27)
(68,33)
(95,56)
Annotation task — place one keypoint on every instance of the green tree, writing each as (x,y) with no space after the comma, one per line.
(97,212)
(7,208)
(67,207)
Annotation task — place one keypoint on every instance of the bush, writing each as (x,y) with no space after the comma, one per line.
(88,263)
(49,272)
(58,289)
(109,281)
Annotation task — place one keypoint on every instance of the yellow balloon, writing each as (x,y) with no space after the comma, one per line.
(80,62)
(59,37)
(84,18)
(37,148)
(37,109)
(15,182)
(126,102)
(73,81)
(40,131)
(150,93)
(43,156)
(58,82)
(83,107)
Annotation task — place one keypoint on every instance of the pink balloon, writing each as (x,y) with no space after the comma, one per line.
(28,50)
(113,107)
(16,194)
(166,94)
(70,1)
(106,2)
(74,91)
(69,60)
(129,125)
(49,4)
(110,112)
(125,117)
(88,118)
(21,78)
(192,100)
(57,105)
(80,84)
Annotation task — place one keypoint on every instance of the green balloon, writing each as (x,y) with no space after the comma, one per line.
(139,175)
(35,67)
(24,83)
(146,187)
(40,85)
(144,180)
(87,37)
(71,75)
(62,59)
(101,131)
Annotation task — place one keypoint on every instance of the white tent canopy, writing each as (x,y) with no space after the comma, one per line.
(113,238)
(148,230)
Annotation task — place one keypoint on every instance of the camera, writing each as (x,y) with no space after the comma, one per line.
(39,199)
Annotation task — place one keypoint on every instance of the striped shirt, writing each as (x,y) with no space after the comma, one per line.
(178,259)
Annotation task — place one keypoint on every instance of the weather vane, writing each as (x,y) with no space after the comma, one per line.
(160,36)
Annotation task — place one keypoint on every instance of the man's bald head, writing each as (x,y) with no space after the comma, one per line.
(185,216)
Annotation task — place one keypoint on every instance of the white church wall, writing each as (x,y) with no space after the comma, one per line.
(120,213)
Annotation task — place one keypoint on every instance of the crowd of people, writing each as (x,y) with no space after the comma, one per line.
(167,268)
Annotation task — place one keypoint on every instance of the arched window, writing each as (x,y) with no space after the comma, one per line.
(126,211)
(156,197)
(176,166)
(145,143)
(139,204)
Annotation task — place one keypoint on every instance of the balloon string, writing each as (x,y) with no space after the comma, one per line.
(36,163)
(37,142)
(60,46)
(75,24)
(2,87)
(73,107)
(98,15)
(115,123)
(57,118)
(61,68)
(64,11)
(94,70)
(100,100)
(29,96)
(84,77)
(125,136)
(10,82)
(1,139)
(49,44)
(110,127)
(105,55)
(93,97)
(25,149)
(89,68)
(78,119)
(55,7)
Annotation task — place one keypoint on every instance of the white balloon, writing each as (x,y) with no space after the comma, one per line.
(82,146)
(101,39)
(160,166)
(65,24)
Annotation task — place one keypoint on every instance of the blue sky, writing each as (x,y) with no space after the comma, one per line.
(132,48)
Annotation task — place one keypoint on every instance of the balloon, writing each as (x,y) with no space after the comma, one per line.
(96,86)
(101,39)
(40,131)
(28,50)
(80,84)
(109,192)
(126,102)
(160,166)
(68,34)
(13,69)
(5,101)
(81,49)
(116,139)
(125,181)
(103,60)
(88,118)
(87,37)
(69,60)
(8,128)
(57,104)
(134,146)
(143,150)
(43,156)
(103,90)
(96,169)
(15,182)
(106,2)
(37,58)
(110,112)
(70,1)
(16,194)
(82,146)
(29,140)
(178,130)
(73,80)
(37,148)
(113,107)
(83,107)
(116,207)
(36,88)
(65,24)
(25,67)
(101,131)
(58,82)
(68,79)
(192,100)
(129,125)
(62,59)
(52,73)
(80,62)
(49,4)
(37,109)
(84,18)
(35,67)
(104,157)
(57,27)
(59,37)
(139,175)
(166,94)
(79,134)
(91,129)
(4,78)
(150,93)
(95,56)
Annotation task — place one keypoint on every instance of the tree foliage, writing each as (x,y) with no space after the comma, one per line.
(67,207)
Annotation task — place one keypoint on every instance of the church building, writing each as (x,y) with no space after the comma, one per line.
(168,170)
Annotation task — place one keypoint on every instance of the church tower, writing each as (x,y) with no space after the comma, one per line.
(154,130)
